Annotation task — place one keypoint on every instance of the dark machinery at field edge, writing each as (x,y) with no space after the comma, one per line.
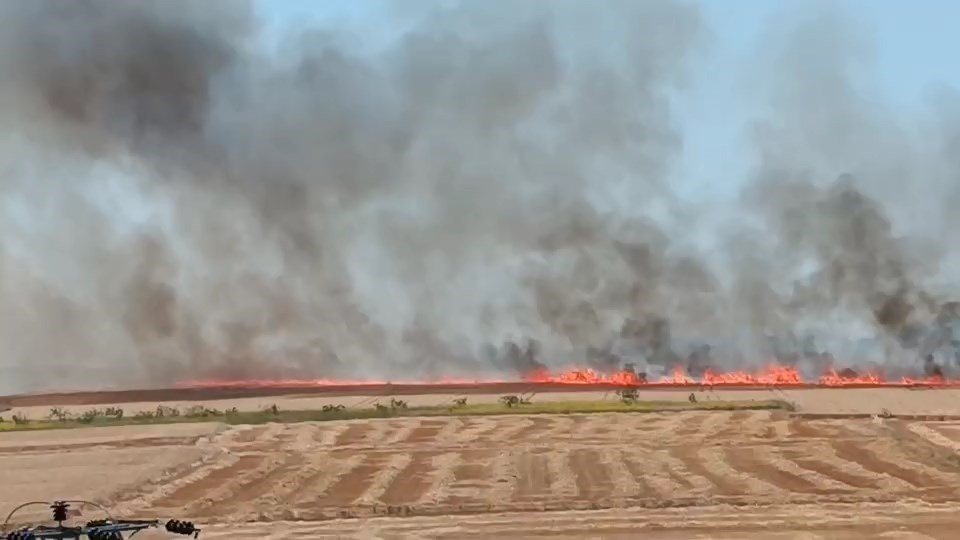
(100,529)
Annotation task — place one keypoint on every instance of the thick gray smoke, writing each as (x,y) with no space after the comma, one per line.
(491,192)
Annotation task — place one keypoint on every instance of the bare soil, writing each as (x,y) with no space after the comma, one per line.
(723,474)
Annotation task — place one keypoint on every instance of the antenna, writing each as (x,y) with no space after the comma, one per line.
(59,511)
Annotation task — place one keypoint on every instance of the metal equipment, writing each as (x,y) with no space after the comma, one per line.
(99,529)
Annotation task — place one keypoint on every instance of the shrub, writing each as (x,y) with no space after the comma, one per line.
(628,395)
(59,414)
(164,411)
(513,401)
(89,416)
(199,411)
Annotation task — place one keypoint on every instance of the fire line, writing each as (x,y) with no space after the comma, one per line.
(773,376)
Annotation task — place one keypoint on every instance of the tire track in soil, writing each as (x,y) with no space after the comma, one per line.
(225,495)
(152,442)
(540,427)
(353,482)
(355,433)
(380,431)
(717,460)
(777,428)
(564,485)
(401,430)
(734,425)
(326,434)
(593,429)
(825,465)
(142,495)
(315,482)
(771,467)
(255,488)
(694,462)
(591,476)
(690,426)
(310,472)
(561,431)
(511,428)
(426,432)
(266,440)
(623,483)
(386,476)
(440,478)
(475,430)
(866,457)
(649,483)
(925,453)
(470,476)
(504,474)
(448,433)
(807,429)
(690,482)
(715,424)
(195,491)
(534,479)
(935,435)
(246,436)
(411,482)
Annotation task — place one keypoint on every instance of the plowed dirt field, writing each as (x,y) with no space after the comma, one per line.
(697,474)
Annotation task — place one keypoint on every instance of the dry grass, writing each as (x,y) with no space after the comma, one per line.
(58,418)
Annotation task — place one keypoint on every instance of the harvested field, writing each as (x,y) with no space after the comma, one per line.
(606,475)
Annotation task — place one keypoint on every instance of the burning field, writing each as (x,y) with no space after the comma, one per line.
(490,203)
(772,376)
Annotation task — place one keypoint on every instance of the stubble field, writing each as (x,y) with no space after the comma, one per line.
(696,474)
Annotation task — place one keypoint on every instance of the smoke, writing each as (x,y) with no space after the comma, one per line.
(852,203)
(492,191)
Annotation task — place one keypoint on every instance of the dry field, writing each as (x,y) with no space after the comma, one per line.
(743,474)
(900,401)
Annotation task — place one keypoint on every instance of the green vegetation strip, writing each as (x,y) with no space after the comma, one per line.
(396,408)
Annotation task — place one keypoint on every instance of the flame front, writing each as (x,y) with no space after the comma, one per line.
(779,376)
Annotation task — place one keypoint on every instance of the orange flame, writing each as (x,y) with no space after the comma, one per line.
(772,375)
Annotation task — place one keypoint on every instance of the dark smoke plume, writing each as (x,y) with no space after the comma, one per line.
(492,192)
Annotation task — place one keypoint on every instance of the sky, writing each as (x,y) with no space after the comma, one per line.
(911,47)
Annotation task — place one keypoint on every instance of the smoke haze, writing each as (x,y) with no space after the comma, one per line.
(493,192)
